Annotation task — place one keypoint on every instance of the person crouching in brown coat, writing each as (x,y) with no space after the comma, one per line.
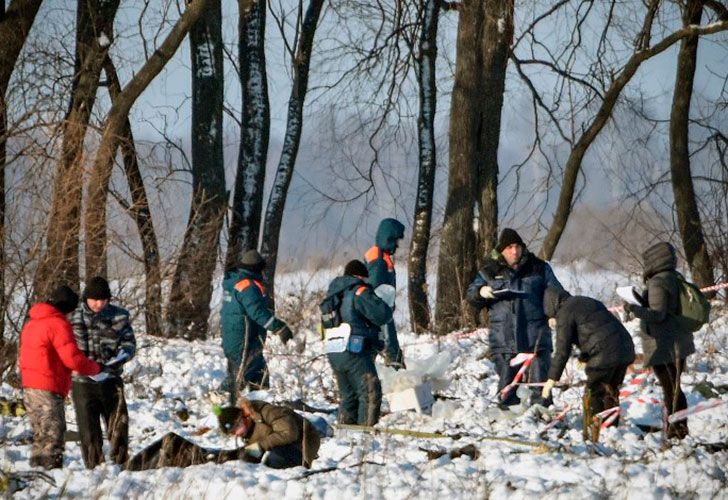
(276,435)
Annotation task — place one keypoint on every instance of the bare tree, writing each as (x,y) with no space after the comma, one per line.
(254,132)
(456,263)
(301,60)
(95,222)
(140,212)
(59,264)
(15,24)
(189,299)
(688,215)
(608,101)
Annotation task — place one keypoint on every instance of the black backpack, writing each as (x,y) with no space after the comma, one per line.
(330,309)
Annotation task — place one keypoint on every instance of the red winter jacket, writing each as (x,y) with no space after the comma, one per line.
(48,352)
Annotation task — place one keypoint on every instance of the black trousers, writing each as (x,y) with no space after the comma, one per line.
(94,401)
(674,399)
(602,385)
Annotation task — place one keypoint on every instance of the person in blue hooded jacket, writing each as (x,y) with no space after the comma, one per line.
(352,346)
(383,279)
(245,321)
(511,286)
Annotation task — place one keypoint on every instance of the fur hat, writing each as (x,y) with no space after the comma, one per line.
(508,237)
(252,260)
(356,268)
(64,299)
(97,288)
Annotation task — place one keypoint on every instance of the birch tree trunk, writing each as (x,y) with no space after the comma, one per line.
(294,126)
(188,308)
(95,223)
(419,304)
(60,262)
(688,215)
(254,132)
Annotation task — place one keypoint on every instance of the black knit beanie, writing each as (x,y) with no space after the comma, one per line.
(356,268)
(97,288)
(64,299)
(252,261)
(508,237)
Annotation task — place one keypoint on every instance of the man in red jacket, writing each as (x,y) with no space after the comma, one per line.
(48,354)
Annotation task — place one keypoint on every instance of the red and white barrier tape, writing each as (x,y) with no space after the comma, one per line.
(521,357)
(706,405)
(612,414)
(519,375)
(558,418)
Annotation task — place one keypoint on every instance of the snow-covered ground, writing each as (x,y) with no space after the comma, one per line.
(515,458)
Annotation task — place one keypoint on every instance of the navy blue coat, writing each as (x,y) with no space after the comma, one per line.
(517,323)
(360,307)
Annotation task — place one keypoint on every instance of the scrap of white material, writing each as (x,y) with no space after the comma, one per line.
(629,294)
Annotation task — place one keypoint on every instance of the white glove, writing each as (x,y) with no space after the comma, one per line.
(547,387)
(487,292)
(552,323)
(254,450)
(386,293)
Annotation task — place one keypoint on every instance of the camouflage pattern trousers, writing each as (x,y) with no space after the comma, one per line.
(48,422)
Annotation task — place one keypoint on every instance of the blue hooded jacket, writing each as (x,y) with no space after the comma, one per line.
(379,257)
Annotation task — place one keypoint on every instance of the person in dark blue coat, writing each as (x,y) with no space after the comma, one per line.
(352,346)
(511,285)
(383,279)
(245,320)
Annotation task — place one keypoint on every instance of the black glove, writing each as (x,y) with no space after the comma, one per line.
(284,333)
(398,362)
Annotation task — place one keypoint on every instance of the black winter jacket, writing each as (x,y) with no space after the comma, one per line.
(587,324)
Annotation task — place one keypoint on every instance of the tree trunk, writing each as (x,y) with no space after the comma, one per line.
(188,309)
(455,263)
(95,227)
(15,24)
(139,211)
(497,39)
(60,262)
(419,304)
(294,126)
(573,164)
(688,216)
(254,132)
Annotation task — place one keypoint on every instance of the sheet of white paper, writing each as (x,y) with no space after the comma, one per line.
(629,294)
(100,377)
(121,356)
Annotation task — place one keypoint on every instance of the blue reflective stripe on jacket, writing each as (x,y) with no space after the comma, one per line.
(516,323)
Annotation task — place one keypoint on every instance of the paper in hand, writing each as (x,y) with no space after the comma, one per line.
(100,377)
(119,358)
(629,295)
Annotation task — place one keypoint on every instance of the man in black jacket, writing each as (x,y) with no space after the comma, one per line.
(604,344)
